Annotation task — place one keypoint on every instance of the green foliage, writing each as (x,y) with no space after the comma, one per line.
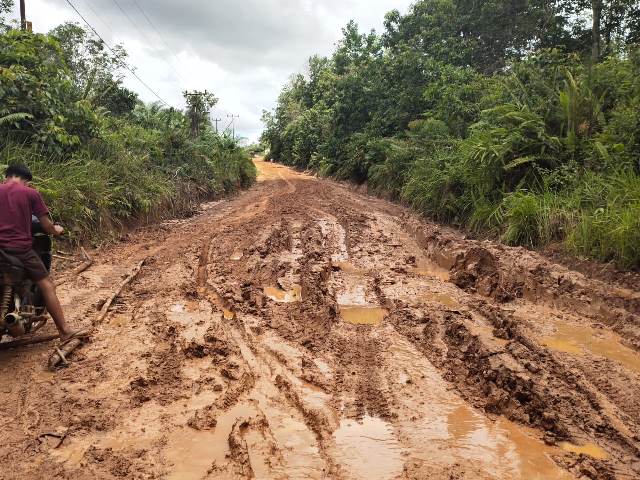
(15,118)
(100,157)
(5,7)
(533,219)
(488,115)
(435,185)
(199,104)
(506,146)
(95,69)
(608,223)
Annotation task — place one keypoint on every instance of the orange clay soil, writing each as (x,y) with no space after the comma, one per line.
(303,330)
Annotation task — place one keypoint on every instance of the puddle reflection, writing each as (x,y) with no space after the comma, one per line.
(284,296)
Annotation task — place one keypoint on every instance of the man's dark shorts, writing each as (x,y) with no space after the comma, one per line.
(32,263)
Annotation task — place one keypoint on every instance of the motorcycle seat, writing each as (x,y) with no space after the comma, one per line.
(11,267)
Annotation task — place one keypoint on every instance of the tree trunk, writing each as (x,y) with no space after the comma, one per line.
(596,7)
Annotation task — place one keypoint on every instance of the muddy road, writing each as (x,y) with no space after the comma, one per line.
(302,330)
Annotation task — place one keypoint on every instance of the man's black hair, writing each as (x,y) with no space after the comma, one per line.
(19,171)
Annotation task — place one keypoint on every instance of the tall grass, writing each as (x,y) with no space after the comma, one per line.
(94,196)
(608,220)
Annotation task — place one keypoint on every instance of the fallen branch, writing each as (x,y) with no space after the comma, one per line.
(27,341)
(88,261)
(62,356)
(105,308)
(60,436)
(59,356)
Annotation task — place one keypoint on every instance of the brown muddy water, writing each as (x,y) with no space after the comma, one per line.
(362,315)
(582,339)
(284,296)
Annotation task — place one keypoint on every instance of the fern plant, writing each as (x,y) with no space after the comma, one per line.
(581,109)
(15,119)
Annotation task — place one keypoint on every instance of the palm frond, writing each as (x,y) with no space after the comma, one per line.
(15,118)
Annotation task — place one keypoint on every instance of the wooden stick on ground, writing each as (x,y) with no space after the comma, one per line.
(88,261)
(55,358)
(105,308)
(58,356)
(27,341)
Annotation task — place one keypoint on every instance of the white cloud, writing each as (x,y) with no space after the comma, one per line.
(243,51)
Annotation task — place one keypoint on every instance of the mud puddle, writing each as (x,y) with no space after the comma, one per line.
(444,299)
(191,453)
(368,449)
(355,307)
(580,339)
(590,449)
(421,265)
(427,268)
(449,425)
(284,296)
(362,315)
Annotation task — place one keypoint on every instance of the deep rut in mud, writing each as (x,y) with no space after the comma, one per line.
(303,330)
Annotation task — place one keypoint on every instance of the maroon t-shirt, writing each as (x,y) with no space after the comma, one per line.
(17,203)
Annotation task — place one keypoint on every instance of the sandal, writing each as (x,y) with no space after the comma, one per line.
(78,334)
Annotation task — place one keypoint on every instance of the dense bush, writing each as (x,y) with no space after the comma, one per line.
(529,132)
(100,156)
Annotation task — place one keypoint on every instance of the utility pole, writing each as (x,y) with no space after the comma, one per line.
(217,120)
(198,105)
(233,124)
(23,15)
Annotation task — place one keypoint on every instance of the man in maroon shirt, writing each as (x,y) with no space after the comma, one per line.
(18,202)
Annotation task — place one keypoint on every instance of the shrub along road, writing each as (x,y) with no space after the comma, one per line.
(303,330)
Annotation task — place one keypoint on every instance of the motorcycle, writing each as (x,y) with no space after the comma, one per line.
(22,308)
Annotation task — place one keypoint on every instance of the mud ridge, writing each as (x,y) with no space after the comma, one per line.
(507,273)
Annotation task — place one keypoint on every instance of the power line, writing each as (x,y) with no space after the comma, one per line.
(149,41)
(157,32)
(113,51)
(95,14)
(131,21)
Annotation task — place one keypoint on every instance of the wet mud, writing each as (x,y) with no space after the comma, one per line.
(302,330)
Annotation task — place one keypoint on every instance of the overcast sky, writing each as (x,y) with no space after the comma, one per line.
(242,50)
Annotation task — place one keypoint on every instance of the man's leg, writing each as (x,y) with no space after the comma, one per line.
(54,308)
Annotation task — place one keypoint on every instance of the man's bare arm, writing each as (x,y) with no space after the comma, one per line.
(49,227)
